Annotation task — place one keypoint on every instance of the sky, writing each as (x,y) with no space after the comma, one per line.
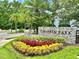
(21,1)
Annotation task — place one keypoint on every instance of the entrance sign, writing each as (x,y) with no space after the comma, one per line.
(67,32)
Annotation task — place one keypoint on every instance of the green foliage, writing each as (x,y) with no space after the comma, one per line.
(32,13)
(21,30)
(57,39)
(20,37)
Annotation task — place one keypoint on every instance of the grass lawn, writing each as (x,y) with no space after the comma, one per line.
(69,52)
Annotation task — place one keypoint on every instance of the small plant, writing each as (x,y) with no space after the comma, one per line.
(58,39)
(20,37)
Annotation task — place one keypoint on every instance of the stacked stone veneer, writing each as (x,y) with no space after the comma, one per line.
(66,32)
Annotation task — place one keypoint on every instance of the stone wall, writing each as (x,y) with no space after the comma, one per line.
(66,32)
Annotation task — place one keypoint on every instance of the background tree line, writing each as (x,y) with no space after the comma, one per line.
(35,13)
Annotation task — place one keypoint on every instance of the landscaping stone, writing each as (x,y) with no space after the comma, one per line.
(67,32)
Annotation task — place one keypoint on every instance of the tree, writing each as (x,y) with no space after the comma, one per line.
(67,10)
(36,13)
(6,9)
(15,18)
(37,16)
(4,14)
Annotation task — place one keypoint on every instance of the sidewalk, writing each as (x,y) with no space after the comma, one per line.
(3,42)
(5,35)
(5,38)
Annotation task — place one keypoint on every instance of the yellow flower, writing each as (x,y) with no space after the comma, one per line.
(27,49)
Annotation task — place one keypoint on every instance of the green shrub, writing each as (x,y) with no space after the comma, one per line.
(20,37)
(39,37)
(57,39)
(21,30)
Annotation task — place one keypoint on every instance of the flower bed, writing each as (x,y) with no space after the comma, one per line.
(36,47)
(36,50)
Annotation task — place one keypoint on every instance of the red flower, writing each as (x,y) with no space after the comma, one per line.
(37,43)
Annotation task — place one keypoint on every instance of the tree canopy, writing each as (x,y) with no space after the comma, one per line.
(36,13)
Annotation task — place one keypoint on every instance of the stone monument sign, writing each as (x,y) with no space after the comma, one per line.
(67,32)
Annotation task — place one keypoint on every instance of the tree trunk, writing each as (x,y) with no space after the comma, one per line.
(11,28)
(37,30)
(16,27)
(25,25)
